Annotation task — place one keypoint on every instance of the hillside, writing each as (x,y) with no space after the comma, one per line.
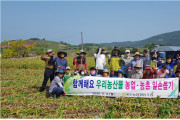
(171,39)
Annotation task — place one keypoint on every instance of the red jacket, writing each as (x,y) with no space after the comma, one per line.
(152,75)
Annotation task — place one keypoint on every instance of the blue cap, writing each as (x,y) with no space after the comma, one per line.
(120,71)
(60,71)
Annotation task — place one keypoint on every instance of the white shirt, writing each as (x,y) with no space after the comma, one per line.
(100,61)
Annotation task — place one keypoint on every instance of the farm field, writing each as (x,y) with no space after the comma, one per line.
(20,97)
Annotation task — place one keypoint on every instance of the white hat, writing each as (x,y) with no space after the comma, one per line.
(68,68)
(105,71)
(49,50)
(127,51)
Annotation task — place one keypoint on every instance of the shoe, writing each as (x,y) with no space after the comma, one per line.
(41,89)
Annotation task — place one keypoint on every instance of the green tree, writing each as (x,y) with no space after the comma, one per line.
(15,49)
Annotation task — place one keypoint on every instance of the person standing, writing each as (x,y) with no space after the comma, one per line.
(80,61)
(49,69)
(100,60)
(60,60)
(115,61)
(146,58)
(127,62)
(136,60)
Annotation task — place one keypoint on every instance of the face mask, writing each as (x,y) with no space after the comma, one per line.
(137,70)
(82,73)
(93,72)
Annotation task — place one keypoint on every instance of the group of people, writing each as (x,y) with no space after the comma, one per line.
(136,67)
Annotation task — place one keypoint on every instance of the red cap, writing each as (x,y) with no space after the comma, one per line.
(147,67)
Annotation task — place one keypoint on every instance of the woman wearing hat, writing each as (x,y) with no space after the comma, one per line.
(148,73)
(49,70)
(136,60)
(60,60)
(80,60)
(57,85)
(115,60)
(100,60)
(136,73)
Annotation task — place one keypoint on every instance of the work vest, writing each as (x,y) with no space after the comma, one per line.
(78,61)
(49,65)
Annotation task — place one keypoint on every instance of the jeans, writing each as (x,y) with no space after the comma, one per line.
(57,91)
(49,73)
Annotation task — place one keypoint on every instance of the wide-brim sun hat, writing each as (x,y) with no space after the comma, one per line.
(68,68)
(137,53)
(61,52)
(49,51)
(127,51)
(116,48)
(81,51)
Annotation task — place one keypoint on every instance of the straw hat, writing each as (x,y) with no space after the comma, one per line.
(81,51)
(137,53)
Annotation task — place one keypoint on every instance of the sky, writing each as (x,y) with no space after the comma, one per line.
(100,21)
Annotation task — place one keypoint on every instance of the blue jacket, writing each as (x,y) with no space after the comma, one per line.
(169,67)
(60,62)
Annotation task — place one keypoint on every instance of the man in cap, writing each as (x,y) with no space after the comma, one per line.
(127,62)
(60,60)
(115,60)
(57,85)
(80,60)
(146,58)
(49,70)
(136,73)
(136,60)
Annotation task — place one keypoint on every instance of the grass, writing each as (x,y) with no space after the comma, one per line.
(20,98)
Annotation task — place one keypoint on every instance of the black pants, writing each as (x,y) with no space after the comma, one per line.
(49,73)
